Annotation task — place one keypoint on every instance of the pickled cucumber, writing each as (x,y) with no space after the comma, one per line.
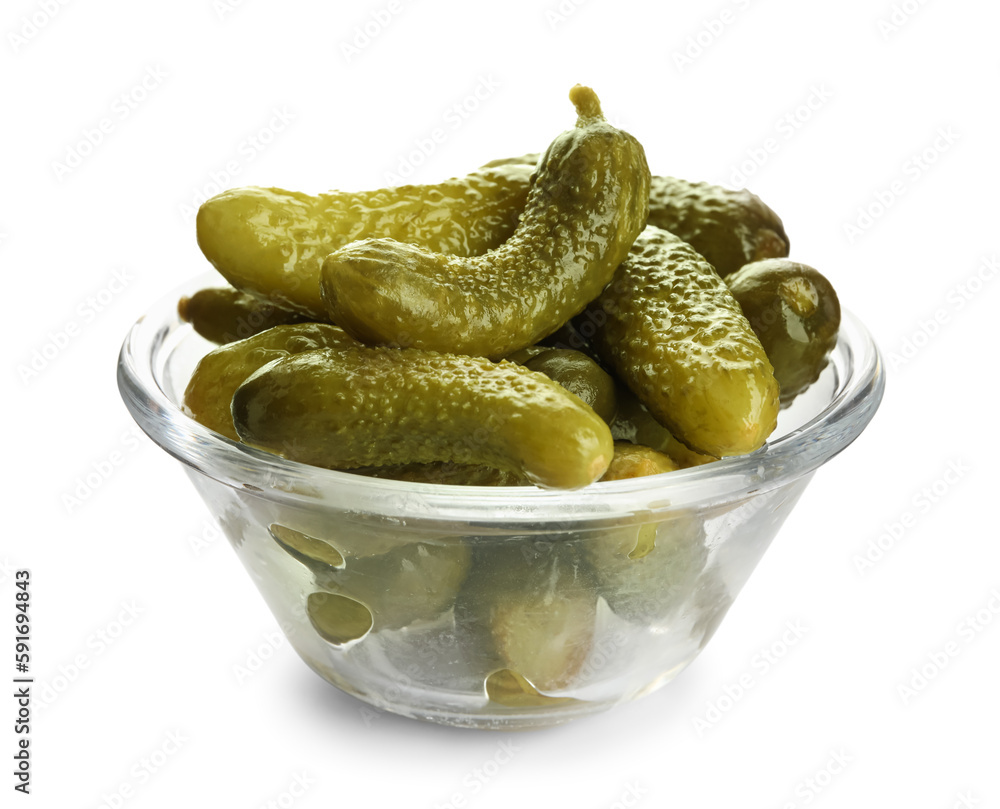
(415,581)
(671,330)
(794,311)
(337,619)
(378,406)
(535,602)
(400,583)
(635,424)
(646,573)
(729,228)
(589,201)
(309,550)
(512,690)
(210,390)
(636,461)
(225,315)
(580,375)
(451,474)
(272,242)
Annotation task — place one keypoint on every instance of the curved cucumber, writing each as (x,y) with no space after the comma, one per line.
(589,201)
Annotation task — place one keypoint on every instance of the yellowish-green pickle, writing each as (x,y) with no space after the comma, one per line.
(579,374)
(636,461)
(361,406)
(309,550)
(209,393)
(272,242)
(795,313)
(588,202)
(512,690)
(225,315)
(413,582)
(729,228)
(635,424)
(647,572)
(337,619)
(535,603)
(669,327)
(403,583)
(450,474)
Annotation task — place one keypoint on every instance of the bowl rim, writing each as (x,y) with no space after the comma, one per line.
(788,457)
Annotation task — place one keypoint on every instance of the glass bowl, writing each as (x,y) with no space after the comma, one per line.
(495,607)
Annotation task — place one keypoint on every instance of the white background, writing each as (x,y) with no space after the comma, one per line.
(142,616)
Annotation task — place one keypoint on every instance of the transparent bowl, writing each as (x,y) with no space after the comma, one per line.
(495,607)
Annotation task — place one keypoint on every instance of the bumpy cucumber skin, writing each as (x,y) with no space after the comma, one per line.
(635,424)
(272,242)
(794,311)
(589,201)
(225,315)
(209,393)
(669,328)
(729,228)
(443,473)
(376,406)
